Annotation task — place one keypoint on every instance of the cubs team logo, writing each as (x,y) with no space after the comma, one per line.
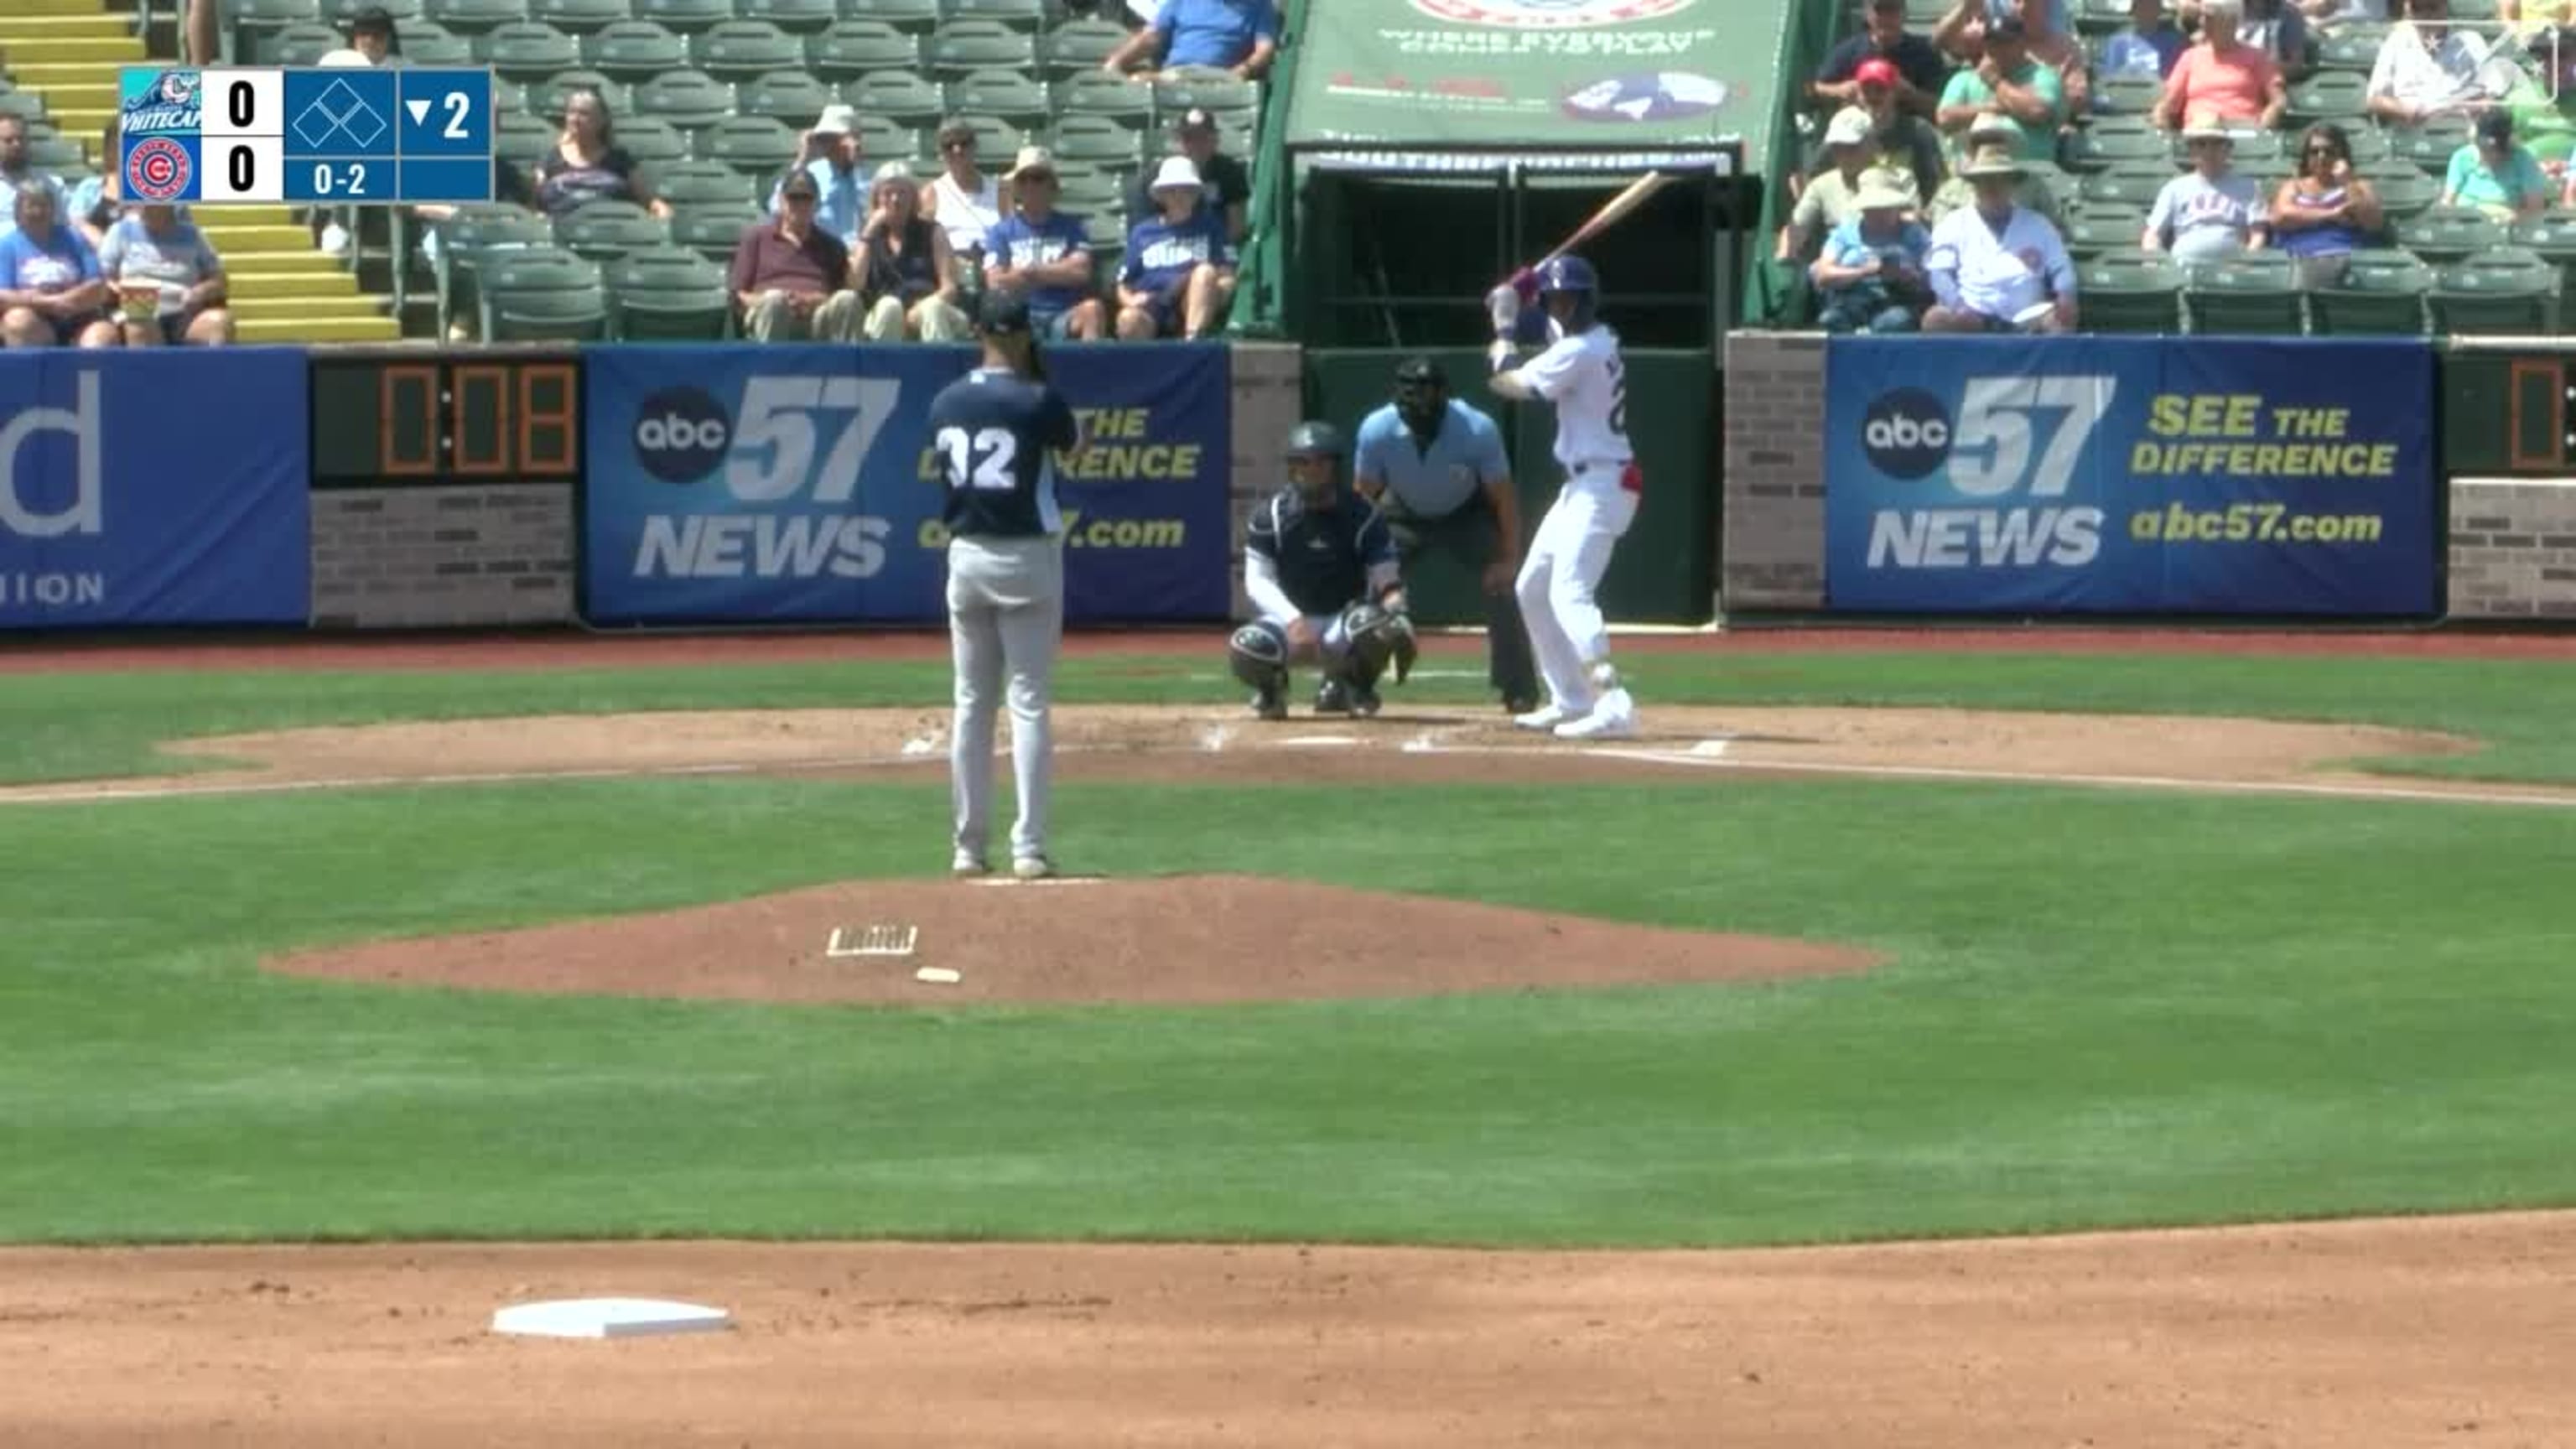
(157,169)
(1668,95)
(1550,14)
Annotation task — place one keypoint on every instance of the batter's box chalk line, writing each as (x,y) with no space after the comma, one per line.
(874,941)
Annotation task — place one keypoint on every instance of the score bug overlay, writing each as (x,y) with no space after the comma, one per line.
(365,136)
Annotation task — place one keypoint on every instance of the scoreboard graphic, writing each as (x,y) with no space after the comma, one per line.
(312,135)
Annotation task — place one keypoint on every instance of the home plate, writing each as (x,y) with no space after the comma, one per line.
(607,1318)
(1311,740)
(1709,748)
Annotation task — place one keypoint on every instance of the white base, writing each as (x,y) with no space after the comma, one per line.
(608,1318)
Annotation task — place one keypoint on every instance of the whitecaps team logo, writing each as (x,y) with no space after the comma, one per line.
(178,88)
(1550,14)
(1653,96)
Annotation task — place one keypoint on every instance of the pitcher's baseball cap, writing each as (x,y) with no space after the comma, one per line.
(1003,313)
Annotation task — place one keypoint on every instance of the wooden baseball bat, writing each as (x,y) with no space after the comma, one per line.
(1611,211)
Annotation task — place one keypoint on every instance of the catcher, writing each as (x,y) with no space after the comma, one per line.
(1320,568)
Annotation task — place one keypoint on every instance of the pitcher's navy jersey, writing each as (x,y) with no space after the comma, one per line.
(995,434)
(1323,555)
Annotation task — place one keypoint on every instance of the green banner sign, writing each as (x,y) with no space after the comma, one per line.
(1657,81)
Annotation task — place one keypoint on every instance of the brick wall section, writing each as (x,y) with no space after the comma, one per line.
(1771,545)
(1269,399)
(392,558)
(2513,549)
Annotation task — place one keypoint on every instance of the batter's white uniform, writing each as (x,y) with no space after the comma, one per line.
(1583,376)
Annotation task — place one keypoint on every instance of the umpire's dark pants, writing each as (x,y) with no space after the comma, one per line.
(1467,534)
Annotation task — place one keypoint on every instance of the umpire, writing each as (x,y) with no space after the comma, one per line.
(1435,467)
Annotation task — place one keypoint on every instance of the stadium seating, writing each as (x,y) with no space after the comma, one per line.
(849,49)
(542,294)
(605,230)
(2132,292)
(2256,294)
(668,294)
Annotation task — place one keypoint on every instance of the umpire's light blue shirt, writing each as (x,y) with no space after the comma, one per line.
(1466,455)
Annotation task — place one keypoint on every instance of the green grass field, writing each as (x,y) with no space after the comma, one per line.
(2105,1008)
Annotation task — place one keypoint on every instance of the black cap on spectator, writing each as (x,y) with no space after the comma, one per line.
(374,20)
(799,182)
(2496,127)
(2008,28)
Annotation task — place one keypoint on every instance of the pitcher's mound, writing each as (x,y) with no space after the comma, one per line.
(1193,939)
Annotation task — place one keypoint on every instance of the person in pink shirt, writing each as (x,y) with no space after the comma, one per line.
(2222,80)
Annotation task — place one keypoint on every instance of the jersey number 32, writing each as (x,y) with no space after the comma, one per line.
(982,461)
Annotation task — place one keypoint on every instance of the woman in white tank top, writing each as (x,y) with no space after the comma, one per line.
(964,201)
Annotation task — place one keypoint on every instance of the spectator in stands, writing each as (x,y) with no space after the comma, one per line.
(2329,16)
(1239,36)
(1899,140)
(2032,194)
(2212,211)
(2149,46)
(829,152)
(1228,185)
(98,201)
(1870,276)
(586,164)
(372,34)
(18,171)
(1920,68)
(906,274)
(791,277)
(2009,82)
(1967,32)
(1179,272)
(51,293)
(2495,175)
(1994,266)
(2223,79)
(1045,253)
(166,278)
(2429,67)
(965,202)
(2324,213)
(1831,195)
(2279,30)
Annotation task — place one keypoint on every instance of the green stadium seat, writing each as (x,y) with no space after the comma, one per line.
(1078,46)
(2267,172)
(2369,143)
(2474,12)
(52,151)
(473,237)
(1096,138)
(546,98)
(2442,235)
(2403,190)
(1215,91)
(668,294)
(2126,95)
(913,17)
(2501,291)
(523,138)
(601,230)
(527,51)
(2129,184)
(1096,92)
(2339,96)
(884,139)
(797,17)
(542,294)
(508,96)
(2353,47)
(1008,94)
(2129,292)
(1924,14)
(2095,228)
(898,96)
(2095,19)
(1082,186)
(961,46)
(300,44)
(712,231)
(402,12)
(653,141)
(2432,144)
(688,17)
(1026,15)
(2254,294)
(634,50)
(2114,141)
(2380,293)
(997,142)
(428,43)
(1105,226)
(740,50)
(688,99)
(474,17)
(254,26)
(760,146)
(2550,236)
(692,182)
(852,49)
(579,17)
(793,96)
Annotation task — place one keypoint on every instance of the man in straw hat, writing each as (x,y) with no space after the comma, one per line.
(1997,266)
(1827,199)
(1871,274)
(829,152)
(2211,211)
(1044,255)
(1959,193)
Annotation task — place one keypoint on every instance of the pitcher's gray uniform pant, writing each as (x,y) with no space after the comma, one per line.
(1005,616)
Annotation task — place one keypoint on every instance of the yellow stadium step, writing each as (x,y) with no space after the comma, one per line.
(86,124)
(280,263)
(54,50)
(338,287)
(17,25)
(62,9)
(235,217)
(274,330)
(355,304)
(87,75)
(231,236)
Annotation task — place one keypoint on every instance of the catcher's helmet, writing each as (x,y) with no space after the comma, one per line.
(1575,276)
(1313,439)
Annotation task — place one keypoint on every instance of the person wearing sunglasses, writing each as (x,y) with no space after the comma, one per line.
(2324,212)
(966,203)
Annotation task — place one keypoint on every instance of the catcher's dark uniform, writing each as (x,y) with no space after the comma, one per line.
(1327,565)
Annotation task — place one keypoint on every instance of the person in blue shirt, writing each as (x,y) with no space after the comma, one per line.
(1179,272)
(1436,468)
(1870,276)
(1044,255)
(51,291)
(1239,36)
(2150,45)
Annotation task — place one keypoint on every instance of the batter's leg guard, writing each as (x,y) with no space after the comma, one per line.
(1258,655)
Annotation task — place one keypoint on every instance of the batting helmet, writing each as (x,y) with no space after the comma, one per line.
(1572,275)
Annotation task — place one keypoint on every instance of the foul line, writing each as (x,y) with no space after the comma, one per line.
(1422,744)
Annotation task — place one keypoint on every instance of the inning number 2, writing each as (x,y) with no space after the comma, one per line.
(457,106)
(981,462)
